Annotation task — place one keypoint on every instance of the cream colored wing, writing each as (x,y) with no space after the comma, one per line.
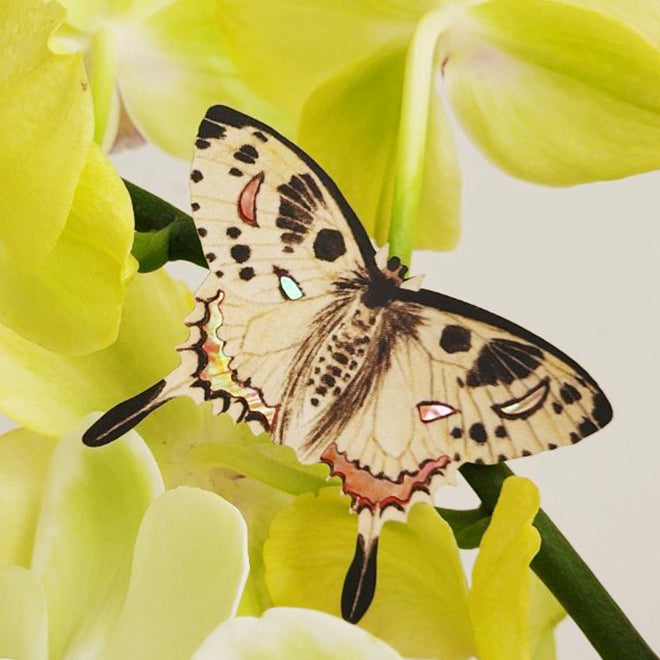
(272,223)
(472,387)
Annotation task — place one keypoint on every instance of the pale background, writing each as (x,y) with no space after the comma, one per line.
(579,267)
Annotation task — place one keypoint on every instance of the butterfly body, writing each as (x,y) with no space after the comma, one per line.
(303,331)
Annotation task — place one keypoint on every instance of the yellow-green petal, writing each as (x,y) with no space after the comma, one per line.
(23,616)
(351,125)
(285,49)
(189,568)
(24,462)
(93,504)
(292,634)
(544,614)
(49,392)
(420,606)
(259,504)
(641,15)
(47,124)
(172,66)
(500,593)
(72,301)
(556,93)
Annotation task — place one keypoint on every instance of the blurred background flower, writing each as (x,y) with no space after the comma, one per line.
(155,67)
(557,92)
(104,563)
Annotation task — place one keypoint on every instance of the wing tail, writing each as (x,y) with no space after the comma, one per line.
(125,415)
(360,581)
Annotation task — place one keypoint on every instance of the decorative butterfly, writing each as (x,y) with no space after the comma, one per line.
(303,331)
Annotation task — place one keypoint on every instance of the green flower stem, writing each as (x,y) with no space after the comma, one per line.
(567,576)
(242,459)
(104,62)
(413,125)
(162,232)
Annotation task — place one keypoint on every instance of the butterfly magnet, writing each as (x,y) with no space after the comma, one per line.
(303,331)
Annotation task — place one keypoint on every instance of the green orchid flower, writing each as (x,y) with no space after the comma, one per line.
(67,224)
(103,564)
(155,67)
(423,607)
(292,634)
(553,91)
(106,564)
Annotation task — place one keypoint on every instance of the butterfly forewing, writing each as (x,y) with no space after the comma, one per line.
(272,224)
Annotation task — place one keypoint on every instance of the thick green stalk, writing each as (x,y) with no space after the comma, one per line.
(567,576)
(413,127)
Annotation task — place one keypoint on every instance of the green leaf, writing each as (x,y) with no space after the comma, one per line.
(93,503)
(189,567)
(309,549)
(46,115)
(556,93)
(23,616)
(292,634)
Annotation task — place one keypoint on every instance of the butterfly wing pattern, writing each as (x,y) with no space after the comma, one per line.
(303,331)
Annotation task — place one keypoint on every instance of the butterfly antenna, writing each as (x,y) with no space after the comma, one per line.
(125,415)
(360,581)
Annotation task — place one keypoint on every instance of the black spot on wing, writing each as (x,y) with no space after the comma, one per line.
(602,410)
(246,273)
(569,394)
(246,154)
(478,433)
(587,427)
(202,144)
(455,339)
(291,238)
(233,232)
(329,245)
(234,171)
(503,361)
(240,253)
(196,176)
(210,129)
(500,431)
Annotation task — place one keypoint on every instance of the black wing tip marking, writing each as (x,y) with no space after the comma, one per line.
(445,303)
(225,115)
(360,581)
(124,416)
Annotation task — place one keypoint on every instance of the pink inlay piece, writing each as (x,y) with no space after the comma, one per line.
(247,200)
(429,411)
